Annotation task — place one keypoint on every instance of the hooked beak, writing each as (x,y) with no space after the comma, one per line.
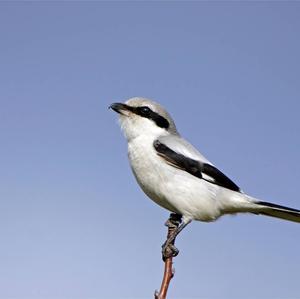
(119,107)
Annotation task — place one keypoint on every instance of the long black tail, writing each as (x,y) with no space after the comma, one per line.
(273,210)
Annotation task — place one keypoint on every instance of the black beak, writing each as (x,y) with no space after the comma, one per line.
(118,107)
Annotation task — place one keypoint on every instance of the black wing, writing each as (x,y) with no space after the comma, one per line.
(201,170)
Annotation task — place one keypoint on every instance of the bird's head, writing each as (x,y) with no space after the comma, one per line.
(140,116)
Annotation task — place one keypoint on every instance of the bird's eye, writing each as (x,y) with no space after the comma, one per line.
(145,110)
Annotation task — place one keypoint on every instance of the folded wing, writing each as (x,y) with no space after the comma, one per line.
(200,167)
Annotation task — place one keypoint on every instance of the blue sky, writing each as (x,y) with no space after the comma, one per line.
(73,222)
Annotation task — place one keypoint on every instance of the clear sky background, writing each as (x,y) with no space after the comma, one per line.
(73,222)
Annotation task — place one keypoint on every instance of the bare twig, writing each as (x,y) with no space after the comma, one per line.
(172,224)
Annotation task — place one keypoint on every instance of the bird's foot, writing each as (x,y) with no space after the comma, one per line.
(174,221)
(169,250)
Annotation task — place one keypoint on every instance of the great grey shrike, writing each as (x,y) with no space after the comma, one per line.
(176,176)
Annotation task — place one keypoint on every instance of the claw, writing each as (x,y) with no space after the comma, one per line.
(174,223)
(169,250)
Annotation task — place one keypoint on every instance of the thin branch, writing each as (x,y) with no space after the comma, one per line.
(172,224)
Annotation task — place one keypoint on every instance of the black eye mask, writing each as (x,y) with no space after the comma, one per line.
(142,111)
(146,112)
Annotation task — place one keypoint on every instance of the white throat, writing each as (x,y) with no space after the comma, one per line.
(137,127)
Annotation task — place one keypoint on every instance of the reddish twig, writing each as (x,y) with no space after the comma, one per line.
(172,224)
(168,275)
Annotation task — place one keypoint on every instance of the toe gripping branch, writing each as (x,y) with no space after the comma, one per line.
(168,248)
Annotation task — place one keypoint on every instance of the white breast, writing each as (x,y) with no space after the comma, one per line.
(171,188)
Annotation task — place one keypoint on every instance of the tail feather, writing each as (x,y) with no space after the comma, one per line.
(278,211)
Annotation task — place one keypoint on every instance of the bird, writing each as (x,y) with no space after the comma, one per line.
(177,177)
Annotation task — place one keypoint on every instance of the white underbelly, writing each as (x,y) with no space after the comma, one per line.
(172,188)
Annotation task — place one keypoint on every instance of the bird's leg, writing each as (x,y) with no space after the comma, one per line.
(168,248)
(175,225)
